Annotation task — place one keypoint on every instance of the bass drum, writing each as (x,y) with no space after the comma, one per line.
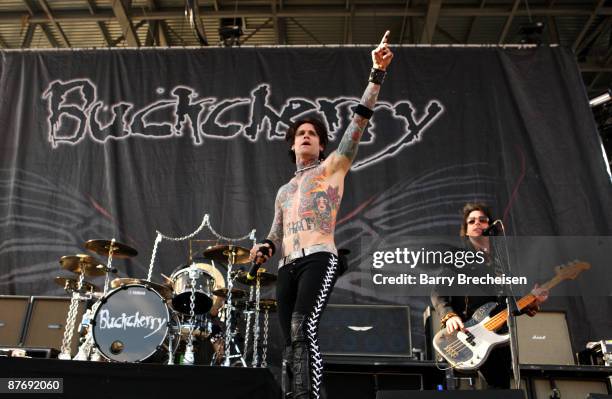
(131,324)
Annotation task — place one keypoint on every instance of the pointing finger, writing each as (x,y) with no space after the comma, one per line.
(385,38)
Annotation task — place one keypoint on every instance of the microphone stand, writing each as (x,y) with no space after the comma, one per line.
(513,311)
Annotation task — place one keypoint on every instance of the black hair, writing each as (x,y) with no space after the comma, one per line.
(319,128)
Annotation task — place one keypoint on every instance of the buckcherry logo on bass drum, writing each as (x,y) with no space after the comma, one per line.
(131,324)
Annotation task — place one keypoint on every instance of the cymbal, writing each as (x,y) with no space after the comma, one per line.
(236,293)
(163,290)
(102,247)
(264,278)
(222,253)
(81,262)
(71,283)
(264,304)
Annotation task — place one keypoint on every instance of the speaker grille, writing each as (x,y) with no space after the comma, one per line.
(366,330)
(13,312)
(47,322)
(544,339)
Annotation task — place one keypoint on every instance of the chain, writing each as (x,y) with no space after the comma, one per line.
(227,343)
(192,277)
(109,266)
(247,331)
(264,346)
(205,223)
(250,236)
(72,312)
(158,239)
(256,326)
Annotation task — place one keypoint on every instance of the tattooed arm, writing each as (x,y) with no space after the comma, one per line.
(347,149)
(276,231)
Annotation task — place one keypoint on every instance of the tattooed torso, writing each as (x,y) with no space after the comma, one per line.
(309,205)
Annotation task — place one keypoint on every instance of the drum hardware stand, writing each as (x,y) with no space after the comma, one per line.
(229,332)
(247,330)
(87,351)
(229,345)
(188,358)
(109,266)
(256,324)
(170,346)
(237,354)
(72,312)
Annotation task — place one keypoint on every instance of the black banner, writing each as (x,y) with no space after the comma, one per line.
(121,143)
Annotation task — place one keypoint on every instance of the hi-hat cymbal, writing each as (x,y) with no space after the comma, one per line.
(163,290)
(80,262)
(223,254)
(103,247)
(236,293)
(71,284)
(264,278)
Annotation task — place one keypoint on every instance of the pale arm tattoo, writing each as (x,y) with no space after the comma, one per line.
(276,231)
(350,140)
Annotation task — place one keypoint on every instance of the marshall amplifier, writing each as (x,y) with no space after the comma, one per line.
(544,339)
(366,330)
(47,321)
(13,316)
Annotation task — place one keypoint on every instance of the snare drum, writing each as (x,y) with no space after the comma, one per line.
(131,324)
(203,288)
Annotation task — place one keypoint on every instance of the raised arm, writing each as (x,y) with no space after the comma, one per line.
(342,159)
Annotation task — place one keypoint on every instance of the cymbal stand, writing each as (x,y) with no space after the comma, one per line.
(229,337)
(247,329)
(70,320)
(230,345)
(256,324)
(109,266)
(189,357)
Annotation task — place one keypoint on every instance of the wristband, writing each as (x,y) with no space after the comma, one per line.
(448,316)
(363,111)
(377,76)
(271,244)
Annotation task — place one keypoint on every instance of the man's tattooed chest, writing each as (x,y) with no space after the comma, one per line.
(310,204)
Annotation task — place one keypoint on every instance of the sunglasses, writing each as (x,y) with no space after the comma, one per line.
(481,219)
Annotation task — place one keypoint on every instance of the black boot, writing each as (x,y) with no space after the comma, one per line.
(287,373)
(301,368)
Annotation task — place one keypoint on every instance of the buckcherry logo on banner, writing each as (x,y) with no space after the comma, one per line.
(190,115)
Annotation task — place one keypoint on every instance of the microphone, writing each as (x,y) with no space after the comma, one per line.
(491,229)
(256,264)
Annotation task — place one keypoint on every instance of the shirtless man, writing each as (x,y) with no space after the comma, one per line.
(304,223)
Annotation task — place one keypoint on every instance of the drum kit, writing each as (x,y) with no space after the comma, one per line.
(137,320)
